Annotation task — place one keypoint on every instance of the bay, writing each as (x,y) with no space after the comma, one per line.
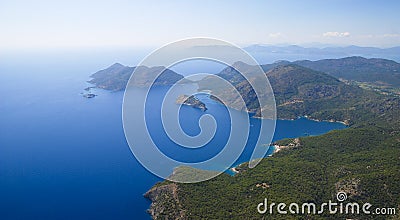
(63,156)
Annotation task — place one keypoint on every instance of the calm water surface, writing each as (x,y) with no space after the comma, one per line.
(65,157)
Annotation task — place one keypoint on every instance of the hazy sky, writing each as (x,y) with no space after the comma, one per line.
(71,23)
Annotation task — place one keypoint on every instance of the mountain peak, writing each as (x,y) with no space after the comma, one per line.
(116,65)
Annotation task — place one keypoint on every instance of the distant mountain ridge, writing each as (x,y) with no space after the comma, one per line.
(342,51)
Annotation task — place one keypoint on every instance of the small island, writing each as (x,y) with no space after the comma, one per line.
(116,77)
(191,101)
(88,92)
(89,95)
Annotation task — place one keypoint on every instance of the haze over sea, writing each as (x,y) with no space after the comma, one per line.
(63,156)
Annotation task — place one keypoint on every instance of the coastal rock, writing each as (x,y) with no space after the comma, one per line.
(89,95)
(191,101)
(165,202)
(292,143)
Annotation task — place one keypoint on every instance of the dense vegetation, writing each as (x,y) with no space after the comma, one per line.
(117,75)
(376,74)
(313,172)
(301,91)
(363,160)
(378,71)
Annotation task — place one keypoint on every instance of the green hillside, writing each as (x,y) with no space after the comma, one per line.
(301,91)
(363,160)
(116,77)
(379,75)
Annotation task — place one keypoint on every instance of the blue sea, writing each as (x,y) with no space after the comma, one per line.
(63,156)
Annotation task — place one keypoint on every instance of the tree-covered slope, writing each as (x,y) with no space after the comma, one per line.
(117,75)
(300,91)
(363,160)
(373,70)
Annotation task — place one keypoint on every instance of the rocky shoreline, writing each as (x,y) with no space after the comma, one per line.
(292,144)
(165,202)
(191,101)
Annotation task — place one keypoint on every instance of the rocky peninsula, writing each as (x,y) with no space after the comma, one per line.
(191,101)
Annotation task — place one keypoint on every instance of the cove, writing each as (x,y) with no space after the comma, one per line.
(63,156)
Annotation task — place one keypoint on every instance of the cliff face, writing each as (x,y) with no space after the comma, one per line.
(165,202)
